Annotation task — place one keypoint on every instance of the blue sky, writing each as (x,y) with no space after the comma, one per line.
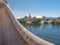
(21,8)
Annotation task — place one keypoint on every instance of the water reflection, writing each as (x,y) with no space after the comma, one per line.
(49,32)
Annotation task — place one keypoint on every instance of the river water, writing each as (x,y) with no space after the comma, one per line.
(49,32)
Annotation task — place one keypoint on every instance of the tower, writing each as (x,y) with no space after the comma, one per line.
(29,15)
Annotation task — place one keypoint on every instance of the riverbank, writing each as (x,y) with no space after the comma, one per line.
(49,32)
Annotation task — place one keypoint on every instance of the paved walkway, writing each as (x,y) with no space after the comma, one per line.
(8,33)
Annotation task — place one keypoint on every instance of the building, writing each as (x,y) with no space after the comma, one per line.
(28,19)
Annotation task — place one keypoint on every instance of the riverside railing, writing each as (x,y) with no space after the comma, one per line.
(28,37)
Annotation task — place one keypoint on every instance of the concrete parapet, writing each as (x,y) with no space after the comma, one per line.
(27,36)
